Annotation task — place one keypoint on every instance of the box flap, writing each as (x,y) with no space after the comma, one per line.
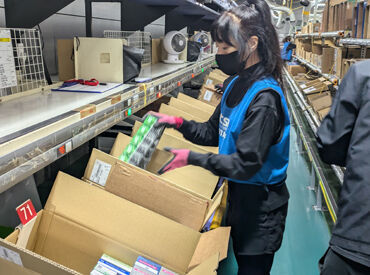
(208,267)
(105,158)
(211,242)
(216,201)
(196,102)
(13,237)
(120,144)
(194,178)
(186,107)
(123,221)
(157,194)
(169,110)
(14,269)
(35,262)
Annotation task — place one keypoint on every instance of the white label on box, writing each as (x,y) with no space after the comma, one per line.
(10,255)
(209,82)
(308,90)
(208,95)
(303,86)
(8,75)
(100,172)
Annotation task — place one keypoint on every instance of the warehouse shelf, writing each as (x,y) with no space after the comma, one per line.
(332,78)
(35,137)
(355,42)
(311,117)
(301,114)
(335,34)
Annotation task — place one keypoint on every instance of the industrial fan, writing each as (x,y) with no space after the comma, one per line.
(174,43)
(203,39)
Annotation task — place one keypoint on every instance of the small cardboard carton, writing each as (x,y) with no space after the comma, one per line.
(80,222)
(321,102)
(197,103)
(172,111)
(296,69)
(322,113)
(189,200)
(186,107)
(327,60)
(208,94)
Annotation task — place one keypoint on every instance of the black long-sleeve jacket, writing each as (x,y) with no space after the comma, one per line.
(262,127)
(344,139)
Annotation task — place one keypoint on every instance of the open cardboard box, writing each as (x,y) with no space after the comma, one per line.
(186,107)
(80,222)
(209,95)
(171,139)
(196,102)
(185,195)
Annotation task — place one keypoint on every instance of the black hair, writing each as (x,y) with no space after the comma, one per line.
(252,18)
(287,39)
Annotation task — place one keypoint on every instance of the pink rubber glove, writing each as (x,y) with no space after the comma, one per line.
(168,121)
(179,160)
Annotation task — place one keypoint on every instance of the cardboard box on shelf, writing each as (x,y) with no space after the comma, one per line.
(66,66)
(320,102)
(80,222)
(196,102)
(317,49)
(327,61)
(307,46)
(367,23)
(313,82)
(185,195)
(186,107)
(322,113)
(208,94)
(296,69)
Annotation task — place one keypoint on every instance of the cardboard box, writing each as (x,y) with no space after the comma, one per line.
(296,69)
(186,107)
(187,204)
(66,65)
(321,102)
(100,58)
(367,23)
(317,49)
(197,103)
(80,222)
(209,95)
(307,46)
(172,111)
(323,113)
(327,62)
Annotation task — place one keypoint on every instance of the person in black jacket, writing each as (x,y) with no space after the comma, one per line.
(344,140)
(251,128)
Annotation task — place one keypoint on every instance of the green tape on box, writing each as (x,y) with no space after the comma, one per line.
(141,147)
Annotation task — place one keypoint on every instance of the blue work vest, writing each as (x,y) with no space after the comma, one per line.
(274,168)
(286,55)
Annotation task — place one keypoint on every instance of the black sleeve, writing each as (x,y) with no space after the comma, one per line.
(334,134)
(291,46)
(261,128)
(205,133)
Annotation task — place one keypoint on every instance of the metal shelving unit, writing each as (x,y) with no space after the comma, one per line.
(25,152)
(301,112)
(318,35)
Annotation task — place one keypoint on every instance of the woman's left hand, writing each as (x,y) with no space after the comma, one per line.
(179,160)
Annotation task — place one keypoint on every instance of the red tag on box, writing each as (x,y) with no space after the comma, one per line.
(26,212)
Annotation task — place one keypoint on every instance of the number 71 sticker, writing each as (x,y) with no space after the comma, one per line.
(26,212)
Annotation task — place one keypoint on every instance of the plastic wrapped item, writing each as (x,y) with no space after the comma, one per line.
(139,151)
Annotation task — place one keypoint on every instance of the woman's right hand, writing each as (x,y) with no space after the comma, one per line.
(168,121)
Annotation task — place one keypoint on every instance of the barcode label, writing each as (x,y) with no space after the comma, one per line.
(209,82)
(208,95)
(10,256)
(100,172)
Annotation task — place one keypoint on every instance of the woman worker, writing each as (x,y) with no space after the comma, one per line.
(287,50)
(251,128)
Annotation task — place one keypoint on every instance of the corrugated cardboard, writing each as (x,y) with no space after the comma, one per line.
(66,65)
(155,193)
(100,58)
(327,62)
(173,141)
(209,95)
(169,110)
(80,222)
(367,23)
(322,113)
(181,105)
(296,69)
(197,103)
(321,102)
(317,49)
(11,268)
(196,179)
